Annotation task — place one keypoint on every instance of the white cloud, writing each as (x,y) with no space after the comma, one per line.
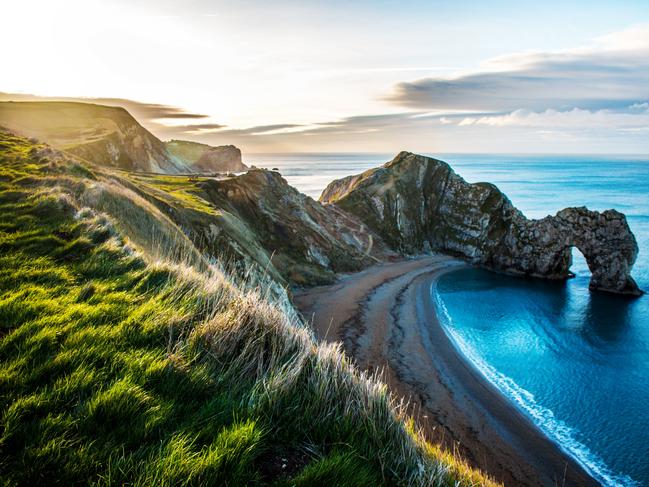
(576,119)
(611,72)
(640,106)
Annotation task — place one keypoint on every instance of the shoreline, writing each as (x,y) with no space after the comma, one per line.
(373,312)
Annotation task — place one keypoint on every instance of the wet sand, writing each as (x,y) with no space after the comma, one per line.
(387,321)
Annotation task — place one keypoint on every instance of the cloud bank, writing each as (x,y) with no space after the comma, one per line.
(610,74)
(593,98)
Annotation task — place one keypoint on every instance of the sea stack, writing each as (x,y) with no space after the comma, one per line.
(420,204)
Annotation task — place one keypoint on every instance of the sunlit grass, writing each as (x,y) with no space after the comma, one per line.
(177,190)
(126,359)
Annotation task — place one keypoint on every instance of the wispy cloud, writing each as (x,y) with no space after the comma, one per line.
(610,73)
(194,129)
(575,118)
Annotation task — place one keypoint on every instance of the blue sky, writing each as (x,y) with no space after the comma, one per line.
(348,76)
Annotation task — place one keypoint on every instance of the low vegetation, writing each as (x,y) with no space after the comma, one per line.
(127,358)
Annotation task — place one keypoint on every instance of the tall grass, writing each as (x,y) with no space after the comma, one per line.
(128,359)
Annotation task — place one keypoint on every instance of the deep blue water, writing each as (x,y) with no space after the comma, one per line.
(576,362)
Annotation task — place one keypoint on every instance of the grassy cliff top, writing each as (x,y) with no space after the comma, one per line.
(63,124)
(127,358)
(192,151)
(104,135)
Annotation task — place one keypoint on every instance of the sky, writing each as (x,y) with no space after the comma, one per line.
(343,76)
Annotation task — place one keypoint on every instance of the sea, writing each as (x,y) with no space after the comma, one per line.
(575,362)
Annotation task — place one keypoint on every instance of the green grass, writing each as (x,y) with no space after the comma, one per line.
(118,367)
(175,190)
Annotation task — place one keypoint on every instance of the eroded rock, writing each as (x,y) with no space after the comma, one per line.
(417,203)
(308,242)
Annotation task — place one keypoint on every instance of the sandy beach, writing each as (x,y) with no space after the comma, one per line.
(386,320)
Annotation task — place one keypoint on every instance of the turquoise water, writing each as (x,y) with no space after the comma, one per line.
(576,362)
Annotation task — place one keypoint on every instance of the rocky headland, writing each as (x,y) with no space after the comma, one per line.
(110,136)
(262,229)
(204,158)
(102,135)
(419,204)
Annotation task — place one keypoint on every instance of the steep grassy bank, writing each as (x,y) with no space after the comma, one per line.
(104,135)
(127,358)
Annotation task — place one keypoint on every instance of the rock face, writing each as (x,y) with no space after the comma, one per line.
(257,222)
(203,158)
(416,204)
(308,242)
(106,136)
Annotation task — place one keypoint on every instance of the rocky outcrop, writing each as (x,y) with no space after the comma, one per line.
(255,223)
(106,136)
(308,242)
(416,204)
(203,158)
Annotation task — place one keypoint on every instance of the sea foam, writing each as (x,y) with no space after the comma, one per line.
(558,431)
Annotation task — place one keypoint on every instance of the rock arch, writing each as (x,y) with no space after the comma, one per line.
(609,247)
(417,203)
(543,248)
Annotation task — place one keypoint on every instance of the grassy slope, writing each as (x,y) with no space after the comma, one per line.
(105,135)
(215,231)
(118,367)
(186,150)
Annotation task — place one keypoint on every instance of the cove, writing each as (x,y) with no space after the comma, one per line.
(576,362)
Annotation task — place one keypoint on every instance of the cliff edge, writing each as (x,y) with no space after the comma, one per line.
(104,135)
(203,158)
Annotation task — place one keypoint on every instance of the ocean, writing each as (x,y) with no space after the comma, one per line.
(577,363)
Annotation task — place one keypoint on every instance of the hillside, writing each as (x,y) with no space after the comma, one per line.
(130,357)
(256,220)
(107,136)
(203,158)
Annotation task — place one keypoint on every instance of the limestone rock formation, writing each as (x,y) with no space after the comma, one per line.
(203,158)
(420,204)
(104,135)
(308,242)
(258,222)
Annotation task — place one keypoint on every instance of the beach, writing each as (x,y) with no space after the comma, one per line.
(387,322)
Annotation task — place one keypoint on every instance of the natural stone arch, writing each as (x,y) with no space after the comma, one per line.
(419,204)
(543,248)
(581,257)
(609,247)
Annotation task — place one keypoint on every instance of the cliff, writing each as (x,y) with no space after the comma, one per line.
(103,135)
(203,158)
(417,203)
(128,354)
(257,223)
(308,243)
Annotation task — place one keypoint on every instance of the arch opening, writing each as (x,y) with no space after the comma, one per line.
(578,264)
